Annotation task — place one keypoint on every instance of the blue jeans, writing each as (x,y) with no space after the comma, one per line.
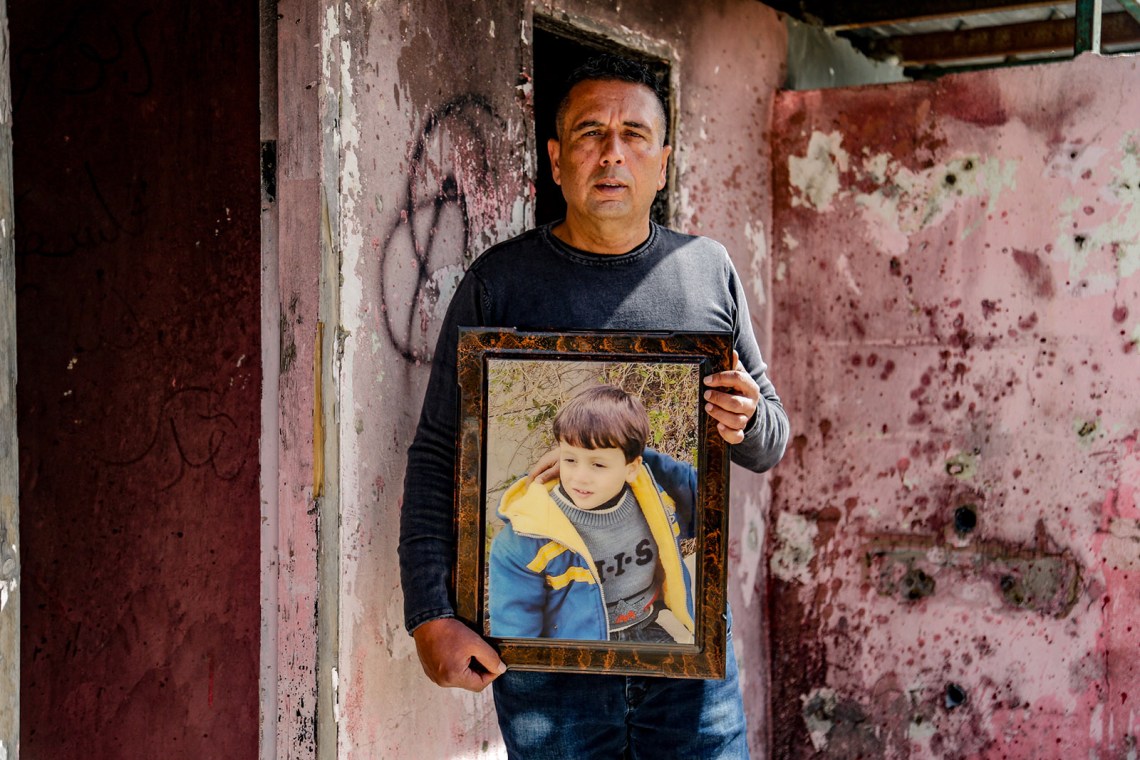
(573,716)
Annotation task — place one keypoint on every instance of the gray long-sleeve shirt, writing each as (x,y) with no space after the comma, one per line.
(670,282)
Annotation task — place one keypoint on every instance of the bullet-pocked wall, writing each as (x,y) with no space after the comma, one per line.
(434,142)
(137,272)
(955,539)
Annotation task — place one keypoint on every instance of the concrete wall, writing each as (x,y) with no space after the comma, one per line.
(136,171)
(957,288)
(426,121)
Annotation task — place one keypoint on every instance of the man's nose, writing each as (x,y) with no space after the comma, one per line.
(612,153)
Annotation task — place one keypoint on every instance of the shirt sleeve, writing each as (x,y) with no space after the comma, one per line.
(766,434)
(679,480)
(427,518)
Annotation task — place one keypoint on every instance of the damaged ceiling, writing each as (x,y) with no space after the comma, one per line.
(931,37)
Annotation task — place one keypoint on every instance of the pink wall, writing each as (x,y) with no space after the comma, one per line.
(434,140)
(137,258)
(957,301)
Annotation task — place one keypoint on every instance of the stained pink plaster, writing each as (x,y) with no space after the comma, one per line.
(294,716)
(957,294)
(439,114)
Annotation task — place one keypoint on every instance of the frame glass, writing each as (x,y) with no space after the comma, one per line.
(617,564)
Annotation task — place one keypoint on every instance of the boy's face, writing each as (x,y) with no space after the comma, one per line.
(594,476)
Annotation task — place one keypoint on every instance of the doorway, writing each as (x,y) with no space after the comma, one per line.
(558,50)
(137,193)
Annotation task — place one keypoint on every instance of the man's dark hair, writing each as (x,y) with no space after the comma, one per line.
(613,67)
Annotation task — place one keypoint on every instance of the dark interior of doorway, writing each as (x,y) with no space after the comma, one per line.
(558,50)
(137,205)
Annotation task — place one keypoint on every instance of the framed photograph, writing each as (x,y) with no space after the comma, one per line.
(613,559)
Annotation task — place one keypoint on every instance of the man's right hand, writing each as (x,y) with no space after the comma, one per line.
(454,655)
(546,468)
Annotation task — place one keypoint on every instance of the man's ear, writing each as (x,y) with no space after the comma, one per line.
(554,148)
(664,177)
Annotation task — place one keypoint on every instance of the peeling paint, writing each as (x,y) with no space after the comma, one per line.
(819,713)
(751,548)
(816,174)
(794,548)
(758,250)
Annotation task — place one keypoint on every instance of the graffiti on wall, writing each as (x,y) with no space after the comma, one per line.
(191,432)
(449,194)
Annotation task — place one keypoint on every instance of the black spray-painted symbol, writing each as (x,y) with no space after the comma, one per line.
(427,248)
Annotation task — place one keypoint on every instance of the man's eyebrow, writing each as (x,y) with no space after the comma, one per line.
(585,124)
(588,123)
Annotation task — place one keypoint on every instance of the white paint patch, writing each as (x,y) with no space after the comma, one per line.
(741,662)
(1122,548)
(1096,724)
(920,731)
(751,548)
(338,717)
(876,167)
(492,29)
(758,248)
(781,271)
(818,719)
(445,280)
(1109,250)
(907,202)
(7,588)
(790,242)
(816,174)
(795,548)
(844,266)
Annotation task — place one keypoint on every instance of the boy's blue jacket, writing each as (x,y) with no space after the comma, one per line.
(543,582)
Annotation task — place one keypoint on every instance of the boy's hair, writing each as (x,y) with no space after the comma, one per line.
(613,68)
(604,417)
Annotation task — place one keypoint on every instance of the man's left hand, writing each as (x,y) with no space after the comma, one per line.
(734,403)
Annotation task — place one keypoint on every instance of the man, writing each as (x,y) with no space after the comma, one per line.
(605,266)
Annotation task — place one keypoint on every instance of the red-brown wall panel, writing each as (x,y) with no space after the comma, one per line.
(138,258)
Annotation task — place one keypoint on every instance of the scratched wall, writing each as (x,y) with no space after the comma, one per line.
(137,257)
(435,145)
(956,538)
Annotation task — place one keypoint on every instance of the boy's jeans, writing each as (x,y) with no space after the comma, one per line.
(571,716)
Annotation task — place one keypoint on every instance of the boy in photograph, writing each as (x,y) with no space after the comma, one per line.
(594,554)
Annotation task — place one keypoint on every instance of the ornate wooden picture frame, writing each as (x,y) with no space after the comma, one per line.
(526,576)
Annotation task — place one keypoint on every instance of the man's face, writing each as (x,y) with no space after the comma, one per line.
(591,477)
(609,158)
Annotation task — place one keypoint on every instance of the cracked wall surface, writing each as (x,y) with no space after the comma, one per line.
(956,541)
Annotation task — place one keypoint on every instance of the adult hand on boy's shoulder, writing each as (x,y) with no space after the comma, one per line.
(453,655)
(546,468)
(734,402)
